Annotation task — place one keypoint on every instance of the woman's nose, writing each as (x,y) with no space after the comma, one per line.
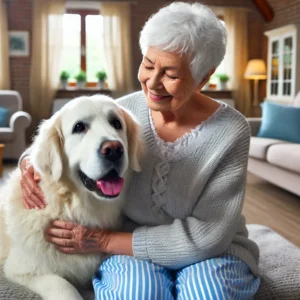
(154,82)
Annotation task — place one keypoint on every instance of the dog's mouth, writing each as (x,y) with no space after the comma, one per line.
(109,186)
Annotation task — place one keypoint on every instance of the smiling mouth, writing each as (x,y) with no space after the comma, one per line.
(109,186)
(157,97)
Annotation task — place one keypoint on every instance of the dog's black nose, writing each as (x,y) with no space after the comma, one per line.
(112,150)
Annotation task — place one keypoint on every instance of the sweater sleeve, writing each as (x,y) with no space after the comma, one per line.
(213,224)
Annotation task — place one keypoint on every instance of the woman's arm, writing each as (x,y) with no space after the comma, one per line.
(73,238)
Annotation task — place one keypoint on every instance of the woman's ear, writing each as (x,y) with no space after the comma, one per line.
(46,153)
(135,142)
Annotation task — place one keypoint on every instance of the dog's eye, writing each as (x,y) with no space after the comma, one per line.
(116,124)
(79,127)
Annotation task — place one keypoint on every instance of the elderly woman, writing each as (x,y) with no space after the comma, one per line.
(188,237)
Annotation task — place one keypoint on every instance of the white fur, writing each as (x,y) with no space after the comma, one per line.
(57,153)
(190,29)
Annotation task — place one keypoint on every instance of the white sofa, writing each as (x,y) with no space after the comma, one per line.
(13,136)
(276,161)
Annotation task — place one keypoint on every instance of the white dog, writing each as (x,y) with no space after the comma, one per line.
(82,154)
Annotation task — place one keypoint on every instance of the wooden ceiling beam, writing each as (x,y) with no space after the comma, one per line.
(265,9)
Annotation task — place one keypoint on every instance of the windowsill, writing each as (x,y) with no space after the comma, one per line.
(216,90)
(72,89)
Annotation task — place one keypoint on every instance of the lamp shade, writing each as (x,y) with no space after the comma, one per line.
(256,69)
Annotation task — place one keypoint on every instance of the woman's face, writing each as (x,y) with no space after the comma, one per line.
(166,80)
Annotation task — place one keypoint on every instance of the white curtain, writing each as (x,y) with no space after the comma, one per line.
(236,58)
(4,49)
(117,42)
(46,54)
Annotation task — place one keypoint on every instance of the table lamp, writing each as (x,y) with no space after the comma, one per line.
(256,70)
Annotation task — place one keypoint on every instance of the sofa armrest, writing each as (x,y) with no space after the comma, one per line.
(254,125)
(20,120)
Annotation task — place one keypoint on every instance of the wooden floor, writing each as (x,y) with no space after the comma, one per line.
(274,207)
(265,204)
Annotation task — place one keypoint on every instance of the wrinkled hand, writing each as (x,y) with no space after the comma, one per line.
(73,238)
(32,194)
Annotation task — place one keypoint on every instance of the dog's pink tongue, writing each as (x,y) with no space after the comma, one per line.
(111,187)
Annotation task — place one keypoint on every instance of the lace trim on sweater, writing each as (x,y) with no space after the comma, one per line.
(170,151)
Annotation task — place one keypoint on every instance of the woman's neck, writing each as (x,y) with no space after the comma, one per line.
(193,112)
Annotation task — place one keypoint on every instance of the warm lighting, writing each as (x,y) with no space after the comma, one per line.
(256,70)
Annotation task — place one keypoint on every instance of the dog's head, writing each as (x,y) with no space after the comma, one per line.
(92,141)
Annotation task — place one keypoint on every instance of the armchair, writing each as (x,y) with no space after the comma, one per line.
(13,136)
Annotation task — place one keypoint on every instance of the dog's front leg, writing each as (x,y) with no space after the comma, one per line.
(53,287)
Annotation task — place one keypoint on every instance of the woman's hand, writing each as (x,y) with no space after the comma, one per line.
(73,238)
(32,194)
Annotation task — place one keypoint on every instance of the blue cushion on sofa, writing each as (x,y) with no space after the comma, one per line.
(280,122)
(3,116)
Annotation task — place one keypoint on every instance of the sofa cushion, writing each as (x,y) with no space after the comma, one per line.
(286,156)
(280,122)
(4,112)
(259,147)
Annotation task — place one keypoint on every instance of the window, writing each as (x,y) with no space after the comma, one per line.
(82,44)
(282,77)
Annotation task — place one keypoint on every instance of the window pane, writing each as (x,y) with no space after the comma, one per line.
(275,45)
(94,46)
(288,45)
(71,44)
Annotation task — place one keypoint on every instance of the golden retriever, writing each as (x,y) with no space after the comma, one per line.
(82,153)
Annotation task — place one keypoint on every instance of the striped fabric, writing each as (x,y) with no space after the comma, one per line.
(126,278)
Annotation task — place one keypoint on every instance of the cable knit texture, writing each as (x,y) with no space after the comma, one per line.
(187,208)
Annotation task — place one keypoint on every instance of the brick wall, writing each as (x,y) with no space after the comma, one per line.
(286,12)
(20,18)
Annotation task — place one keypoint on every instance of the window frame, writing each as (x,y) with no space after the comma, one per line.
(83,13)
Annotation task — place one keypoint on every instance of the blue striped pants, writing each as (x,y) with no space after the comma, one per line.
(126,278)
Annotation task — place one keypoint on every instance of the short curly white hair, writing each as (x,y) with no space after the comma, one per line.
(190,29)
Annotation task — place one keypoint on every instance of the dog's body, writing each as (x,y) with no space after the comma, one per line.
(30,259)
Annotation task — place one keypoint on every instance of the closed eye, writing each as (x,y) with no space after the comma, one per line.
(172,77)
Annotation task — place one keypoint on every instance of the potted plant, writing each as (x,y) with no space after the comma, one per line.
(81,79)
(102,76)
(64,76)
(223,78)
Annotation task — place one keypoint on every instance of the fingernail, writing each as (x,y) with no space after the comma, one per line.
(36,208)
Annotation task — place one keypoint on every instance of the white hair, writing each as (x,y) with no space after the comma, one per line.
(190,29)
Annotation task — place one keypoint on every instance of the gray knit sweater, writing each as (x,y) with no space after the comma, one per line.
(189,209)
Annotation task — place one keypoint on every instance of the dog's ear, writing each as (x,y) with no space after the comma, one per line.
(135,142)
(46,153)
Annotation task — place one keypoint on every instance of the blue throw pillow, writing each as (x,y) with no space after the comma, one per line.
(3,116)
(280,122)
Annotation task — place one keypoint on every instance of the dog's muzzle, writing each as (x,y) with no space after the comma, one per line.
(109,186)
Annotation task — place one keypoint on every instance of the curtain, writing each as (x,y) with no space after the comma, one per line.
(117,50)
(236,57)
(46,53)
(4,49)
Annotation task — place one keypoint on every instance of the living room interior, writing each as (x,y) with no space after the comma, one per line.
(54,51)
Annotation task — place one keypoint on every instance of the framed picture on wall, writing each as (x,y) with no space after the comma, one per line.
(18,43)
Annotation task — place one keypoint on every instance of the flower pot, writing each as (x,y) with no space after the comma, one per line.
(64,84)
(80,84)
(101,84)
(223,85)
